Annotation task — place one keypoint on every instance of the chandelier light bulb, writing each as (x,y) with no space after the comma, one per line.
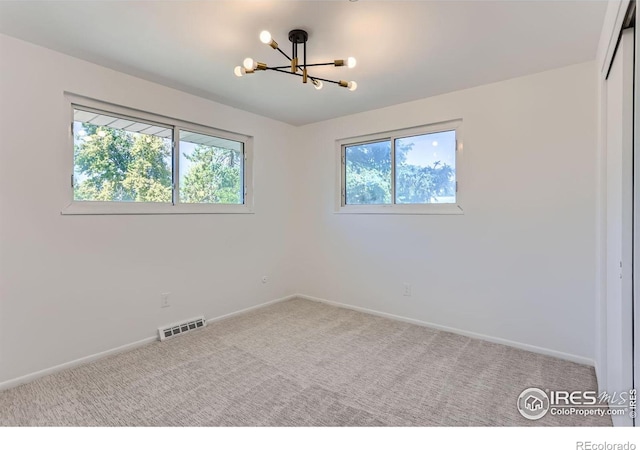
(352,85)
(265,37)
(351,62)
(248,64)
(317,84)
(239,71)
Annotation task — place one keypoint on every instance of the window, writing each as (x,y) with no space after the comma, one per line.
(211,169)
(408,171)
(129,162)
(120,160)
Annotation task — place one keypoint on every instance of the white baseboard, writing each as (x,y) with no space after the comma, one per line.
(495,340)
(251,308)
(87,359)
(76,362)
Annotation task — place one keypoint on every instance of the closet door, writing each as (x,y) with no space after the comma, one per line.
(619,220)
(636,219)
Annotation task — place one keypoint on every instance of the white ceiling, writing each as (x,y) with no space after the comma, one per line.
(405,50)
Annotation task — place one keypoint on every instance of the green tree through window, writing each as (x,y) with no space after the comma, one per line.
(419,179)
(213,176)
(119,165)
(368,173)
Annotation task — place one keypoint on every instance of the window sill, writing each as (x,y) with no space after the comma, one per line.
(104,208)
(431,209)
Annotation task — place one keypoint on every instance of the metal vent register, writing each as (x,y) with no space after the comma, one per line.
(170,331)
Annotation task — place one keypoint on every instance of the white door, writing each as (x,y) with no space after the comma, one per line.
(619,160)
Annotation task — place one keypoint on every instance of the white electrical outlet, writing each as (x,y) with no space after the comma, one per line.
(406,290)
(164,300)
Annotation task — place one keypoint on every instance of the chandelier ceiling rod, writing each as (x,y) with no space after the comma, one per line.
(296,37)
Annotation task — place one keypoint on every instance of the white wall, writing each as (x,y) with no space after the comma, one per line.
(519,265)
(72,286)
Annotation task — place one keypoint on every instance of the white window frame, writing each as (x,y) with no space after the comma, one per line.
(393,208)
(175,207)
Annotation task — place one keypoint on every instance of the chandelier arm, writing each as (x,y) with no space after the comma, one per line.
(321,64)
(281,67)
(299,75)
(308,65)
(285,55)
(324,79)
(284,71)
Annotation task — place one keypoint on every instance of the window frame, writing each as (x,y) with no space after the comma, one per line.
(78,207)
(399,208)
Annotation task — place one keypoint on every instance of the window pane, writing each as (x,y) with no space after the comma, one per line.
(120,160)
(426,168)
(211,169)
(368,173)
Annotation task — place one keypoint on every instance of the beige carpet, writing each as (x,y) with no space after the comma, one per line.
(300,363)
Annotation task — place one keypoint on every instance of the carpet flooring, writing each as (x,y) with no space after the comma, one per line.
(301,363)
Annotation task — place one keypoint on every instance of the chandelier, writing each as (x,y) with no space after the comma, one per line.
(296,67)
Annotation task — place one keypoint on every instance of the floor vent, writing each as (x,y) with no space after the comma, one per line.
(170,331)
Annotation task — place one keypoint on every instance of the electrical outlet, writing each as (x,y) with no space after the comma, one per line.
(265,279)
(406,290)
(164,300)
